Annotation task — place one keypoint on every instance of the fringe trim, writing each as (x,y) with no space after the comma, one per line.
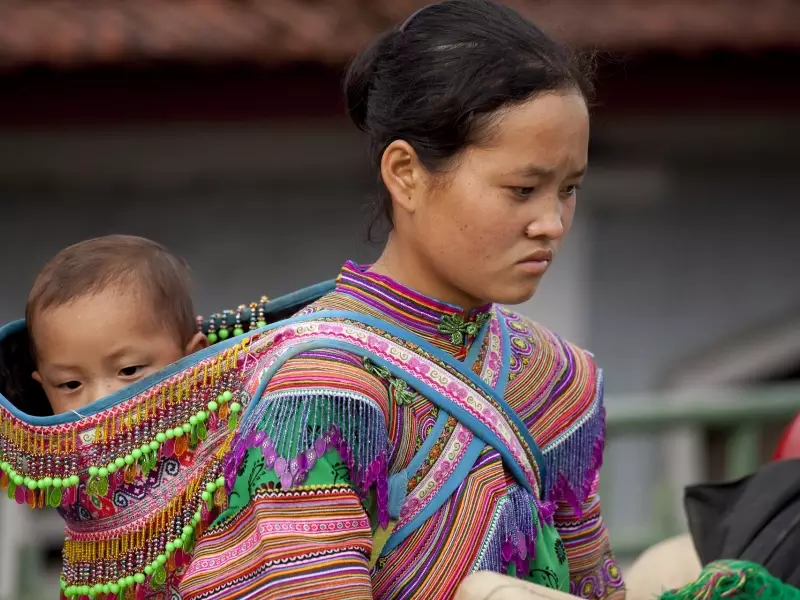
(572,463)
(513,535)
(293,430)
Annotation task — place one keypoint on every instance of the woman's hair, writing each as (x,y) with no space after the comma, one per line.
(437,80)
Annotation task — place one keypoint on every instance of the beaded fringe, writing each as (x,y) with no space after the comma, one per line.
(573,463)
(294,430)
(513,535)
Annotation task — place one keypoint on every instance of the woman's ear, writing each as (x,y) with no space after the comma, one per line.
(402,174)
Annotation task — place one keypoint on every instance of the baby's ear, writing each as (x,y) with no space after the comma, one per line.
(198,342)
(37,377)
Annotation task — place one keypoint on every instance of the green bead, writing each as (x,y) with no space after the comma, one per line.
(213,406)
(235,407)
(18,480)
(112,467)
(93,471)
(238,331)
(261,324)
(47,481)
(120,462)
(193,420)
(220,398)
(102,472)
(97,588)
(177,432)
(148,570)
(205,496)
(74,480)
(129,460)
(202,416)
(105,588)
(137,454)
(211,487)
(122,583)
(187,427)
(227,395)
(155,444)
(32,484)
(178,543)
(212,338)
(223,334)
(129,581)
(57,483)
(5,466)
(197,516)
(160,438)
(146,449)
(139,578)
(114,588)
(220,481)
(170,547)
(170,434)
(188,530)
(161,559)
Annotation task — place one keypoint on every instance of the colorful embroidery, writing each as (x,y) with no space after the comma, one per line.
(489,521)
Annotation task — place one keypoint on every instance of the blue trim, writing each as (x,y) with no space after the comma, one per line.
(455,479)
(298,298)
(123,394)
(424,450)
(477,427)
(475,349)
(506,360)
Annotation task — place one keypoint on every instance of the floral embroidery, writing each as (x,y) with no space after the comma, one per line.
(457,328)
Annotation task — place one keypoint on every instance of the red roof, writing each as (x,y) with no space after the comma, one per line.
(66,33)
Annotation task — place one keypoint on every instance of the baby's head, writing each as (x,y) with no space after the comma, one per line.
(105,313)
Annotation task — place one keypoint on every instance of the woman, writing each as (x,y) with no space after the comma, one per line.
(362,473)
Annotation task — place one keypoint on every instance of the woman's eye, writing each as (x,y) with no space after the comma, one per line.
(523,192)
(130,371)
(70,385)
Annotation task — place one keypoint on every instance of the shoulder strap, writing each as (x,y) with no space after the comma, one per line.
(506,413)
(433,373)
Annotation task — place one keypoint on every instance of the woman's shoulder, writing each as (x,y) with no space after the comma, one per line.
(564,375)
(541,337)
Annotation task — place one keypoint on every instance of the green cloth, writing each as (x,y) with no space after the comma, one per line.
(549,567)
(728,579)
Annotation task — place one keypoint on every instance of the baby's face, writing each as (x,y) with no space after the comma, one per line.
(99,344)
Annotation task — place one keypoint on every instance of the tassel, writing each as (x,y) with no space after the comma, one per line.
(102,486)
(233,421)
(181,445)
(734,579)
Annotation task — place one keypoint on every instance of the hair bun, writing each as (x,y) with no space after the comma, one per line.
(360,75)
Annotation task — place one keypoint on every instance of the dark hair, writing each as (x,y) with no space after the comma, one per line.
(140,265)
(436,81)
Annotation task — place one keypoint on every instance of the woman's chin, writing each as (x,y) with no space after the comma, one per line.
(514,294)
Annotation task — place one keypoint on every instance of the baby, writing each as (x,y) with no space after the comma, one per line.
(105,313)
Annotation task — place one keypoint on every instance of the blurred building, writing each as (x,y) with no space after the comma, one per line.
(218,128)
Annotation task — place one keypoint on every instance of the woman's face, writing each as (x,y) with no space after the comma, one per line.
(488,228)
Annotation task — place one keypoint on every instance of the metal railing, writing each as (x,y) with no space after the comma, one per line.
(742,412)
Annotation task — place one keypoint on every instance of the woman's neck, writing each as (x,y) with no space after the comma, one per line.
(410,270)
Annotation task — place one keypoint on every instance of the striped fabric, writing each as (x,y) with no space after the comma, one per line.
(314,540)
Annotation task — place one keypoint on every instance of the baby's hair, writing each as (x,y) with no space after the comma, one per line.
(134,264)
